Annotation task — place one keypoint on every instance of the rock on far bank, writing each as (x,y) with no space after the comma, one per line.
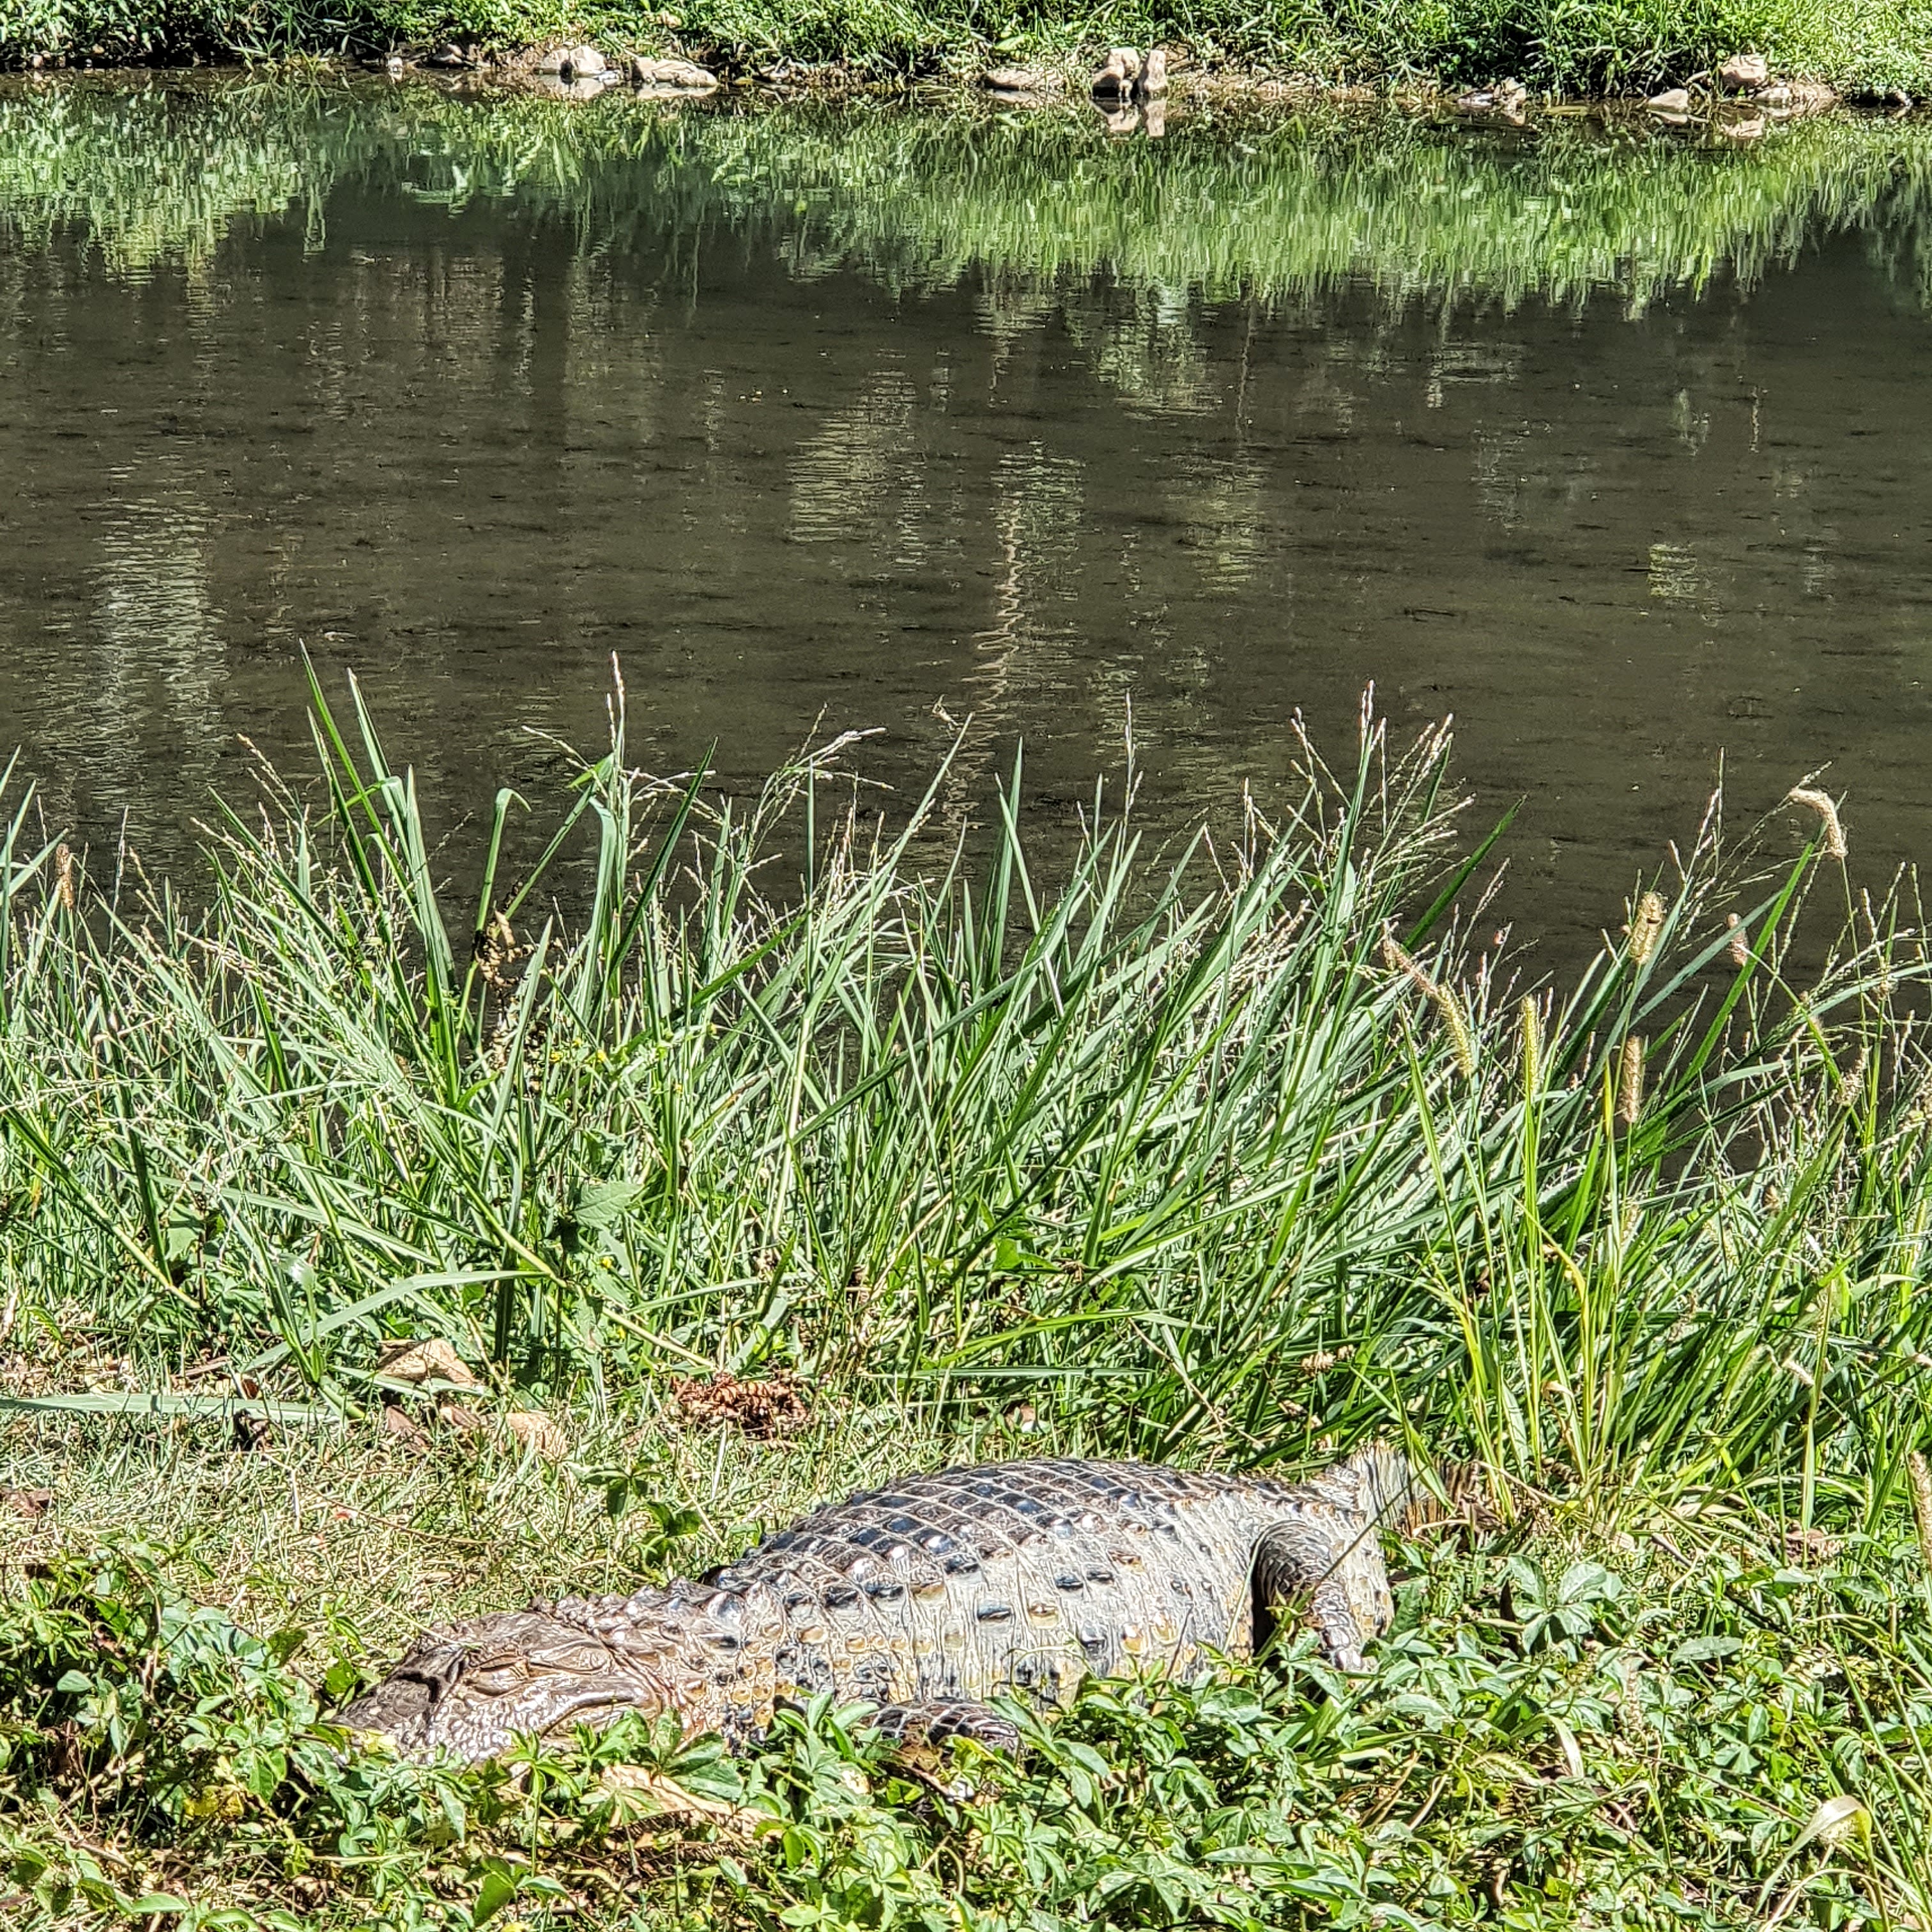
(672,77)
(583,62)
(1744,74)
(1021,83)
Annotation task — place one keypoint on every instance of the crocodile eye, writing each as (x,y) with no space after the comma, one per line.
(497,1680)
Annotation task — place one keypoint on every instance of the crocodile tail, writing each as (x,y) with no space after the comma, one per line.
(1392,1494)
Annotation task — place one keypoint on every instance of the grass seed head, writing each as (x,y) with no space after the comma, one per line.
(1646,927)
(1532,1019)
(1630,1082)
(1822,803)
(1443,998)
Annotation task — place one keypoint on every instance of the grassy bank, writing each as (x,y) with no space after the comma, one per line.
(1595,46)
(1299,207)
(1237,1154)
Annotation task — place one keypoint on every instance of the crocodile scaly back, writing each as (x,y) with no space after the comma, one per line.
(1026,1575)
(939,1591)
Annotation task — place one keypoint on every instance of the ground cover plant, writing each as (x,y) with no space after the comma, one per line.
(1239,1151)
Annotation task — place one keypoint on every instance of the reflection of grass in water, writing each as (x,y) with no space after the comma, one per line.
(1299,206)
(1292,206)
(147,172)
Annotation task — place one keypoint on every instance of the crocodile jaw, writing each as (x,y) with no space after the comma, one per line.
(471,1691)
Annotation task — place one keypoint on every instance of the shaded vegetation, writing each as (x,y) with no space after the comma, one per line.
(1592,46)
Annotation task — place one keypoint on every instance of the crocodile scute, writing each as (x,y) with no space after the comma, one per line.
(923,1598)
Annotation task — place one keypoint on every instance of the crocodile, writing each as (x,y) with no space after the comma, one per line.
(923,1600)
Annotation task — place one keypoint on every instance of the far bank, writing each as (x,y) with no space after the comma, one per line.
(1868,50)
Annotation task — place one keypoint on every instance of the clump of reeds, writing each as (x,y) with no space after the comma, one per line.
(1133,1144)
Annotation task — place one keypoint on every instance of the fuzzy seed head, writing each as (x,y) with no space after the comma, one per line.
(1630,1082)
(1532,1047)
(1646,927)
(1822,803)
(1455,1022)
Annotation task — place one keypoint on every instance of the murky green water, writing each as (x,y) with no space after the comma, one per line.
(1615,443)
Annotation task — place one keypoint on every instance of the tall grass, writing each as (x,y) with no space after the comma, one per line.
(1235,1151)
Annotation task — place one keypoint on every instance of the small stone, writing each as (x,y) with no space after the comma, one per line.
(1504,96)
(449,55)
(1020,80)
(1116,80)
(1153,74)
(1779,96)
(533,1430)
(551,60)
(457,1416)
(1745,73)
(582,63)
(680,76)
(1671,101)
(29,1503)
(393,64)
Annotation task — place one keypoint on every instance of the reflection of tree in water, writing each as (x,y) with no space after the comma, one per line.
(852,479)
(1027,652)
(1456,362)
(1220,503)
(1009,312)
(1037,522)
(159,663)
(1143,342)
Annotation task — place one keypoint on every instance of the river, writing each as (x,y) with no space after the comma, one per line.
(1610,439)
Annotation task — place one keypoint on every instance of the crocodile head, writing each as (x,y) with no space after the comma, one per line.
(473,1690)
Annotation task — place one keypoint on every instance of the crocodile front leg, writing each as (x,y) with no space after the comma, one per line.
(1331,1560)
